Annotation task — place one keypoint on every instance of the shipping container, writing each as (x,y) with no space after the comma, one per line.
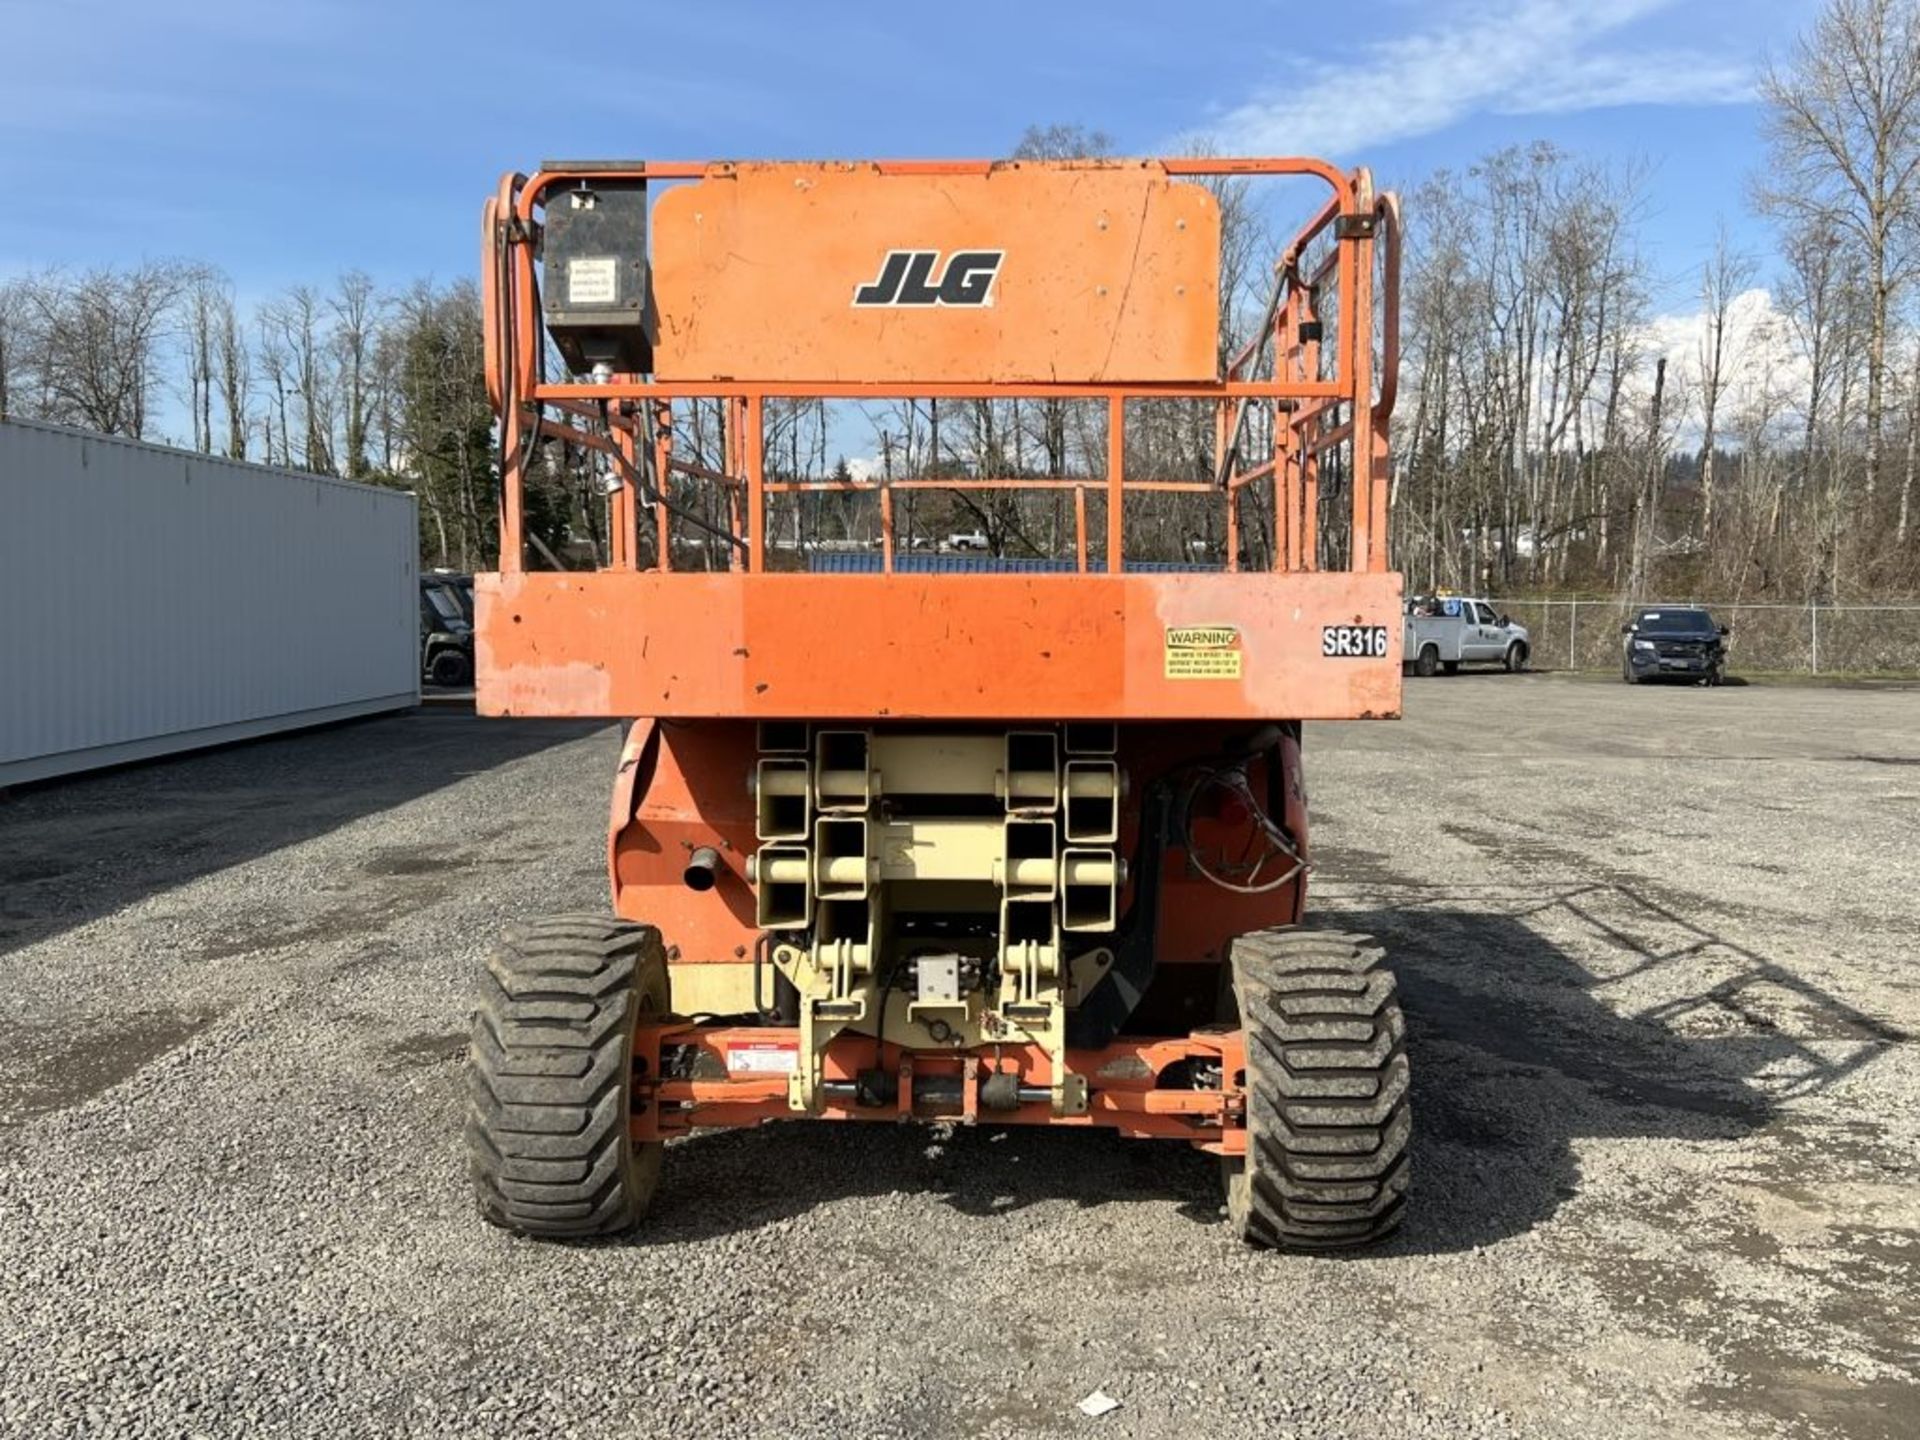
(155,600)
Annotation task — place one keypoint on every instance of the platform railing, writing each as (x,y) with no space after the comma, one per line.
(1330,400)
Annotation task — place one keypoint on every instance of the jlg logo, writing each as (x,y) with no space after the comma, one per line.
(907,278)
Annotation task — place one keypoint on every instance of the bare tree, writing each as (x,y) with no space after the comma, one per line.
(233,372)
(206,288)
(1646,511)
(96,343)
(385,389)
(303,363)
(1904,514)
(302,313)
(275,369)
(1819,298)
(1726,276)
(355,309)
(1843,132)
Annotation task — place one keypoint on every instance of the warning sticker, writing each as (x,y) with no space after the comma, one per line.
(763,1058)
(1203,652)
(593,280)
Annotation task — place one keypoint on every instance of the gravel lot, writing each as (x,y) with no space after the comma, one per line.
(1659,951)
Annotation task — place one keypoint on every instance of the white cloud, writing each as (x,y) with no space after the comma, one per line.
(1539,57)
(1763,368)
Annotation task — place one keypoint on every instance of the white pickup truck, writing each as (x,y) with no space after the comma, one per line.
(1445,632)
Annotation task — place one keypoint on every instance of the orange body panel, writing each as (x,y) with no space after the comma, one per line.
(973,647)
(1109,272)
(680,787)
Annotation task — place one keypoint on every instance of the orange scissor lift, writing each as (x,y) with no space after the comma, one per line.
(929,840)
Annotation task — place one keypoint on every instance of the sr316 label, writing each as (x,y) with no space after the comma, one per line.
(1354,642)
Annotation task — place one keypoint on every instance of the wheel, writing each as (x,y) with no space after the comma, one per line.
(450,667)
(1626,673)
(550,1076)
(1516,660)
(1428,662)
(1328,1115)
(1452,667)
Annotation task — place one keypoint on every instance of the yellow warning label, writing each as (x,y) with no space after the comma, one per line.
(1203,652)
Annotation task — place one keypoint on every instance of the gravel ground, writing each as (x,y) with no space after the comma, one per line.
(1658,948)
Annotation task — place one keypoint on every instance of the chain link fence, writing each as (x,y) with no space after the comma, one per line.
(1811,639)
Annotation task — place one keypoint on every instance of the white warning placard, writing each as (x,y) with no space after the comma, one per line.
(763,1058)
(593,280)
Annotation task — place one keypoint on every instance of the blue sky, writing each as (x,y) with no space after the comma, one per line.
(288,140)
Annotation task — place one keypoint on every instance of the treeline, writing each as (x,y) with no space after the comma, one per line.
(1558,434)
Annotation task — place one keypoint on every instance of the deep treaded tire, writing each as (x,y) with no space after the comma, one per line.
(450,668)
(550,1076)
(1328,1118)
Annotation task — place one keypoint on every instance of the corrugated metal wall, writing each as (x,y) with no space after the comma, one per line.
(155,600)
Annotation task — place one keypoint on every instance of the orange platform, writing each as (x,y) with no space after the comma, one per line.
(945,647)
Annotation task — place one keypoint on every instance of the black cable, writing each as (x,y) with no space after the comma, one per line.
(1233,779)
(880,1021)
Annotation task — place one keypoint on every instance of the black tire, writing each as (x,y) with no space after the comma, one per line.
(1626,673)
(450,667)
(1516,659)
(550,1076)
(1328,1113)
(1452,667)
(1428,662)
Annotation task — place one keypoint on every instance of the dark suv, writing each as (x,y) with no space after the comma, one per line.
(446,628)
(1678,642)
